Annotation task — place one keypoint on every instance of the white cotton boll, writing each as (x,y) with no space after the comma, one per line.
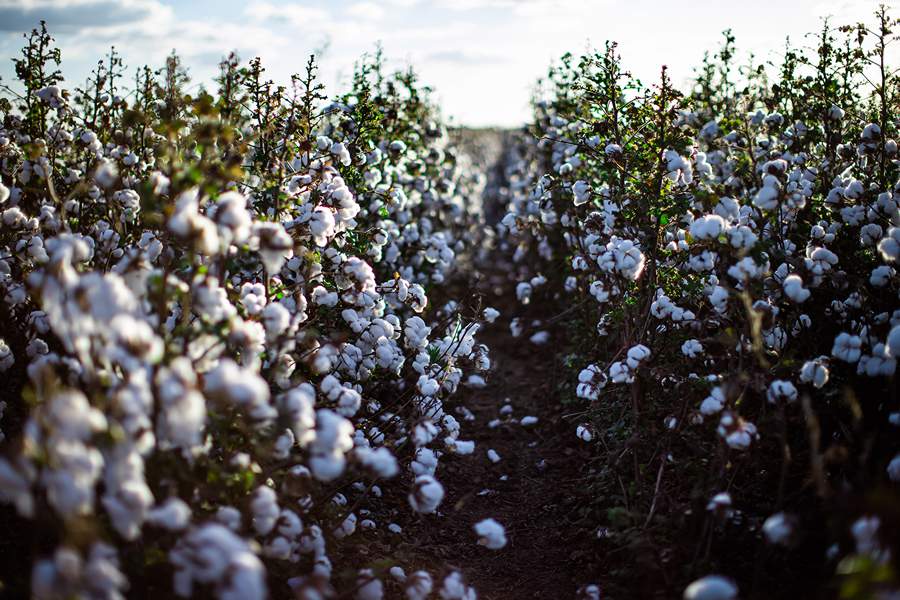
(425,462)
(889,246)
(893,468)
(881,276)
(719,299)
(708,227)
(590,381)
(711,587)
(174,514)
(581,190)
(427,386)
(778,529)
(584,433)
(713,403)
(476,381)
(523,292)
(4,193)
(380,461)
(264,507)
(636,355)
(418,586)
(620,373)
(426,494)
(493,456)
(6,356)
(276,319)
(528,421)
(540,338)
(878,364)
(491,534)
(692,348)
(368,587)
(847,347)
(455,588)
(334,437)
(347,527)
(815,372)
(490,314)
(515,327)
(781,390)
(892,346)
(461,447)
(793,287)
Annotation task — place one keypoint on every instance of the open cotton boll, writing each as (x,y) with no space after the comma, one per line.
(847,347)
(778,529)
(711,587)
(455,588)
(528,421)
(708,227)
(426,494)
(893,468)
(793,287)
(692,348)
(540,338)
(490,314)
(584,433)
(581,190)
(418,586)
(174,514)
(892,347)
(493,456)
(815,372)
(781,391)
(589,591)
(476,381)
(491,534)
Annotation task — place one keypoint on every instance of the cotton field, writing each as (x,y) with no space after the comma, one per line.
(268,339)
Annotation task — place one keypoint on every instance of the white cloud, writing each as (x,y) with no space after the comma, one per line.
(368,11)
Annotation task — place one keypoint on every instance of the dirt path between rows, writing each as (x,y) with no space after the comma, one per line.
(532,489)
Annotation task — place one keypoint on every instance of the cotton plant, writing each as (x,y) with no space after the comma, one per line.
(725,264)
(237,299)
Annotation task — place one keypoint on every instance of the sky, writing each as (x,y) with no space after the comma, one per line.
(481,56)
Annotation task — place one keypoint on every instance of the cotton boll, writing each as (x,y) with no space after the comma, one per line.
(584,432)
(847,347)
(636,355)
(692,348)
(892,347)
(418,586)
(781,391)
(426,494)
(368,587)
(174,514)
(528,421)
(713,403)
(454,588)
(493,456)
(711,587)
(793,287)
(491,534)
(540,338)
(893,469)
(708,227)
(815,372)
(778,529)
